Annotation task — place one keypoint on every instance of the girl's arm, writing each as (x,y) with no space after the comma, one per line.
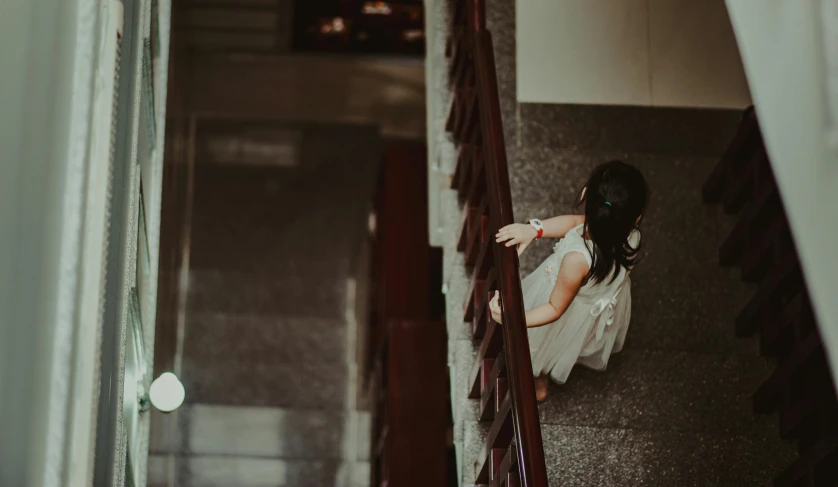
(572,273)
(522,234)
(558,226)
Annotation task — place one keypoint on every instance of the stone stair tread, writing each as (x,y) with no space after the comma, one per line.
(263,339)
(226,471)
(289,385)
(585,456)
(264,432)
(244,293)
(663,391)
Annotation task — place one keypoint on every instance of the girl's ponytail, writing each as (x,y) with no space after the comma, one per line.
(614,199)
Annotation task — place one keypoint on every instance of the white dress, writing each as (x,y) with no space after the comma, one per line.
(594,325)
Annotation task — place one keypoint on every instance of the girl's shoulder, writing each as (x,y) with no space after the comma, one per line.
(634,238)
(575,242)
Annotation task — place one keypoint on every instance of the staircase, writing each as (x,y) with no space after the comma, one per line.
(675,406)
(269,357)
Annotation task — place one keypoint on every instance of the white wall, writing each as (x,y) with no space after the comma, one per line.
(628,52)
(49,51)
(55,132)
(784,47)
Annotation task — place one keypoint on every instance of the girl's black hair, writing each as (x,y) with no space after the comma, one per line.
(614,198)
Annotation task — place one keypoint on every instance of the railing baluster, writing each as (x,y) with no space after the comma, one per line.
(502,375)
(801,388)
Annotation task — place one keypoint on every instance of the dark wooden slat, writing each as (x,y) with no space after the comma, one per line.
(468,217)
(746,138)
(471,117)
(465,158)
(477,186)
(783,278)
(743,186)
(476,289)
(487,354)
(808,461)
(804,417)
(452,112)
(500,478)
(493,390)
(480,370)
(757,257)
(500,434)
(460,71)
(481,307)
(492,342)
(457,53)
(486,256)
(460,127)
(765,399)
(462,170)
(478,234)
(456,129)
(778,325)
(755,214)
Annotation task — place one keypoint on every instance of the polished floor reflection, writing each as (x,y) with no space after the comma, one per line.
(268,358)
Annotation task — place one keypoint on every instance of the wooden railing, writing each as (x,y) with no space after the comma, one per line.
(406,342)
(409,426)
(761,244)
(502,377)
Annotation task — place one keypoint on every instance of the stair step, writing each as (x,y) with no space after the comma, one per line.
(244,293)
(262,339)
(214,445)
(291,385)
(214,471)
(265,432)
(584,456)
(663,391)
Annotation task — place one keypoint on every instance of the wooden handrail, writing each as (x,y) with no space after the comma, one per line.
(502,379)
(516,344)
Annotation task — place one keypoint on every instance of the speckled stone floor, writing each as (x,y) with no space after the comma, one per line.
(266,358)
(674,407)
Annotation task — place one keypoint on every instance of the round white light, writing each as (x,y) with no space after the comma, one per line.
(166,392)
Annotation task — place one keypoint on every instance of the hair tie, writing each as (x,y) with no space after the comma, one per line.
(608,203)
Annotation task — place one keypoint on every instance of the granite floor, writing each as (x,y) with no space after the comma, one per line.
(269,356)
(674,408)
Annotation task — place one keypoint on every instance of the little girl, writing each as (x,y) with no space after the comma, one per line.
(578,301)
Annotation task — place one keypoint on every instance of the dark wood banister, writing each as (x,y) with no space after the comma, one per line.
(530,448)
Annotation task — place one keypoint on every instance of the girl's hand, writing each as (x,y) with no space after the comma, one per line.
(495,309)
(517,234)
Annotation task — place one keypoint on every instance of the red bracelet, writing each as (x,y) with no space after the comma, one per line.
(538,226)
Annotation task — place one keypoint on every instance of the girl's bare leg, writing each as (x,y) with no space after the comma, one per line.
(541,387)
